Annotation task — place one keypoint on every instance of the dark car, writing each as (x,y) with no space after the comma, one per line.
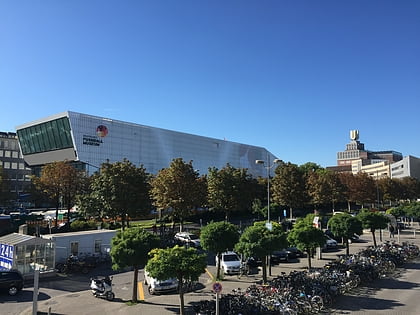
(296,251)
(11,281)
(283,255)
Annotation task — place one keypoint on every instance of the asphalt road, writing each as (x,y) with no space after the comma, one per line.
(71,295)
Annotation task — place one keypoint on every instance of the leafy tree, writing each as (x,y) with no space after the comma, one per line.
(397,212)
(363,189)
(412,209)
(122,189)
(410,188)
(310,167)
(258,241)
(61,182)
(130,248)
(344,225)
(390,189)
(230,189)
(288,186)
(306,237)
(373,221)
(218,237)
(324,187)
(89,203)
(182,263)
(178,188)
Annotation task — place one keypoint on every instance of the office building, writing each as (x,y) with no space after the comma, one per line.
(16,173)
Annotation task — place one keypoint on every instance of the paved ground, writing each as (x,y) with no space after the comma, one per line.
(74,299)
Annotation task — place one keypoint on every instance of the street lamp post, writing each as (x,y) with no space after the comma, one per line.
(268,224)
(268,167)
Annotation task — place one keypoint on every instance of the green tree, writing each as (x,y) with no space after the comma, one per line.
(178,188)
(412,209)
(410,188)
(130,248)
(390,189)
(363,189)
(373,220)
(122,189)
(61,182)
(324,187)
(230,189)
(182,263)
(89,203)
(218,237)
(288,186)
(307,238)
(259,242)
(344,225)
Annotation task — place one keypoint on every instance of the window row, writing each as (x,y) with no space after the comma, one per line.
(8,144)
(9,154)
(13,165)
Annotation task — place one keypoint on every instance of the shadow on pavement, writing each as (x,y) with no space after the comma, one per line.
(24,296)
(357,303)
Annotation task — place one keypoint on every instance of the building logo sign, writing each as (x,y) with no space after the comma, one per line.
(101,132)
(6,256)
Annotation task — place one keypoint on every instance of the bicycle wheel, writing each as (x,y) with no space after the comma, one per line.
(317,303)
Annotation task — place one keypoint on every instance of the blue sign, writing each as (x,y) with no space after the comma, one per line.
(6,256)
(284,213)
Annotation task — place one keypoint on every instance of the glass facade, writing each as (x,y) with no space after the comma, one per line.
(47,136)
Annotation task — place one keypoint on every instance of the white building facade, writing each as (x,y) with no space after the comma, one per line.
(91,140)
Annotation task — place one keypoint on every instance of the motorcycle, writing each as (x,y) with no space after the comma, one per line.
(102,287)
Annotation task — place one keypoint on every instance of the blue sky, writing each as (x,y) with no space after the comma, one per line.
(291,76)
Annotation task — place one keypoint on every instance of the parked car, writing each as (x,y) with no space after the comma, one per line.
(188,238)
(155,286)
(330,243)
(354,239)
(11,281)
(297,251)
(284,255)
(230,263)
(279,256)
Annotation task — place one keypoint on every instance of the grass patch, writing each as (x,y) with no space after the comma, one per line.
(132,303)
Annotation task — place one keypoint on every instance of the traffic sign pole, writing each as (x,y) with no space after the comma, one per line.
(217,288)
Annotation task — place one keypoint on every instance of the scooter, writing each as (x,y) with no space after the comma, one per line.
(102,287)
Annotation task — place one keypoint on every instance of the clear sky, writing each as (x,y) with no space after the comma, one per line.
(291,76)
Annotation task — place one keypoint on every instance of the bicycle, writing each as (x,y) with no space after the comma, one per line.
(244,270)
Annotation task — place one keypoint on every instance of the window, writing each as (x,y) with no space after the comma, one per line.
(7,153)
(98,245)
(6,165)
(74,248)
(15,154)
(14,165)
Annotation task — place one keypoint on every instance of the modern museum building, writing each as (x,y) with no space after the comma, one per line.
(89,141)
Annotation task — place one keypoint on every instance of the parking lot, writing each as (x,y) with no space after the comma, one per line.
(71,294)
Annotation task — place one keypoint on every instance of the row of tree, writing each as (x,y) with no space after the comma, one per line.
(124,190)
(135,247)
